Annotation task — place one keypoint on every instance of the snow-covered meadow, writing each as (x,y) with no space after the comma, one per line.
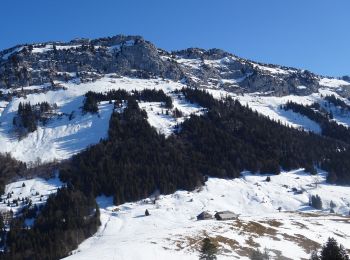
(37,190)
(173,232)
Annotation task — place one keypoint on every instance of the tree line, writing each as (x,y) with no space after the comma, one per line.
(148,95)
(323,118)
(28,115)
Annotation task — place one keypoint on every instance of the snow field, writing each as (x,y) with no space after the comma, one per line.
(172,231)
(37,190)
(60,138)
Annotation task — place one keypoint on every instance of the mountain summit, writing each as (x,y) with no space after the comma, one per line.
(37,64)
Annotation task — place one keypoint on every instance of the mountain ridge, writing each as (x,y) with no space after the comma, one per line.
(89,59)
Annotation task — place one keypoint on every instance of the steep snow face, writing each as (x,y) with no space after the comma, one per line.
(333,83)
(172,231)
(270,106)
(61,137)
(163,119)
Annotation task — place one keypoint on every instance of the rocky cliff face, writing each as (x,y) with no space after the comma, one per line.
(84,59)
(217,68)
(43,63)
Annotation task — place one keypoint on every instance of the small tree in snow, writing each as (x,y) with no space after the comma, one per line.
(316,180)
(332,205)
(258,255)
(332,251)
(316,202)
(208,250)
(314,256)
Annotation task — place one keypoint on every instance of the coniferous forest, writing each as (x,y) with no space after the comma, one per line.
(135,160)
(323,118)
(66,220)
(9,169)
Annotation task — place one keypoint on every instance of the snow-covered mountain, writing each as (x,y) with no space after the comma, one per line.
(61,74)
(37,64)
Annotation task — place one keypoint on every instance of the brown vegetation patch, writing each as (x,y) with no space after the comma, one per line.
(301,225)
(273,223)
(191,242)
(253,227)
(252,243)
(234,245)
(308,214)
(224,240)
(307,244)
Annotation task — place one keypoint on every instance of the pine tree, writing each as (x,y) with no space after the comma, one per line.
(332,205)
(258,255)
(316,202)
(2,225)
(208,250)
(331,251)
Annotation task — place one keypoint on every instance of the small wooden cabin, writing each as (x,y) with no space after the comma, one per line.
(204,215)
(225,215)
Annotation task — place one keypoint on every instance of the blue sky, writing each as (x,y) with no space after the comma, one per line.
(309,34)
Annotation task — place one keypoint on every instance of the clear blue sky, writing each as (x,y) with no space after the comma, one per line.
(309,34)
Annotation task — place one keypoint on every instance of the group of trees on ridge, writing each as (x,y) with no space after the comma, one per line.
(337,102)
(28,115)
(148,95)
(328,127)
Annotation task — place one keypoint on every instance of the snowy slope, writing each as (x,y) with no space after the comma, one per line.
(172,231)
(270,106)
(333,83)
(37,190)
(61,137)
(166,123)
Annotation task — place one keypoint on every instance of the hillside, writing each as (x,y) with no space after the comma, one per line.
(61,73)
(119,120)
(173,232)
